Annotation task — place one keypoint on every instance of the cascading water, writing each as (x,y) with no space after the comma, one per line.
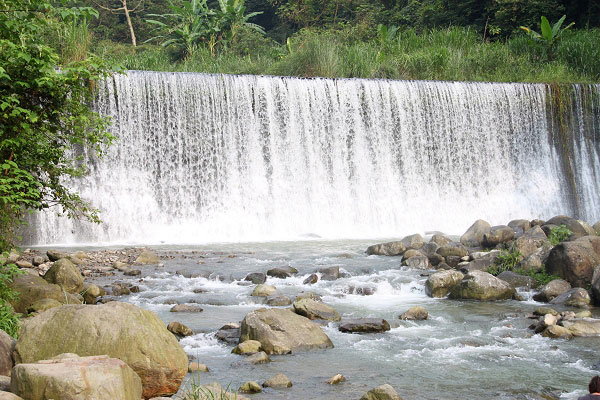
(204,158)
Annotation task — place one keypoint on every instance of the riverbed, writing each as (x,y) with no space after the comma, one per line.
(465,350)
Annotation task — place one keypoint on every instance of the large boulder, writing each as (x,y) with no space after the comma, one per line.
(387,249)
(452,250)
(414,242)
(97,377)
(576,297)
(32,288)
(515,280)
(440,283)
(66,275)
(417,262)
(520,225)
(530,241)
(551,290)
(479,285)
(536,260)
(570,223)
(120,330)
(7,345)
(575,261)
(474,235)
(282,331)
(596,228)
(312,309)
(440,239)
(584,328)
(256,277)
(364,325)
(383,392)
(498,235)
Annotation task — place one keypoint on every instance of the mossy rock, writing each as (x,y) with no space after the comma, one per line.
(32,288)
(66,275)
(119,330)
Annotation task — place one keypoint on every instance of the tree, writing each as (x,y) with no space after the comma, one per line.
(127,12)
(45,115)
(195,24)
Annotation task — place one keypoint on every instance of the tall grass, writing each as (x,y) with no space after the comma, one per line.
(76,40)
(441,54)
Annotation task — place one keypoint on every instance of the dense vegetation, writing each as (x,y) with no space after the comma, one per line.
(396,39)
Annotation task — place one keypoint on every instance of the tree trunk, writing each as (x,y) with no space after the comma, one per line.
(126,10)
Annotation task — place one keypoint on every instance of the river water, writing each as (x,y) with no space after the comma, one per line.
(465,350)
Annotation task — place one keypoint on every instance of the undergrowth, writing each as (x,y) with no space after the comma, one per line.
(441,54)
(508,260)
(559,234)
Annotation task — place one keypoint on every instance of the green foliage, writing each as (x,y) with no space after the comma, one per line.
(559,234)
(9,321)
(195,391)
(549,34)
(44,115)
(507,260)
(541,277)
(195,24)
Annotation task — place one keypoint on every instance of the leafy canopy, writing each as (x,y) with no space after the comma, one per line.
(45,115)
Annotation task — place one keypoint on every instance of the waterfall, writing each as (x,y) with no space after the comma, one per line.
(204,158)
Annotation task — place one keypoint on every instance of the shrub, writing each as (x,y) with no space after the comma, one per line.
(559,234)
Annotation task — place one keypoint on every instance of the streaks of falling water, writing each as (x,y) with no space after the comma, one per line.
(204,158)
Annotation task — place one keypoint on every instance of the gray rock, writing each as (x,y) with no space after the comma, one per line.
(383,392)
(264,290)
(132,272)
(364,325)
(474,235)
(312,309)
(596,228)
(178,329)
(452,250)
(231,336)
(188,308)
(440,240)
(278,381)
(551,290)
(536,260)
(7,346)
(498,235)
(308,295)
(435,259)
(278,301)
(520,225)
(24,264)
(282,331)
(387,249)
(147,257)
(361,290)
(37,261)
(281,272)
(120,288)
(576,297)
(4,384)
(329,273)
(66,275)
(54,255)
(311,279)
(416,313)
(481,264)
(256,278)
(479,285)
(414,242)
(418,262)
(250,387)
(430,248)
(440,283)
(99,377)
(515,280)
(530,241)
(258,358)
(575,261)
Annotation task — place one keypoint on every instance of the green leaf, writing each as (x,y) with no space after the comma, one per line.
(546,29)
